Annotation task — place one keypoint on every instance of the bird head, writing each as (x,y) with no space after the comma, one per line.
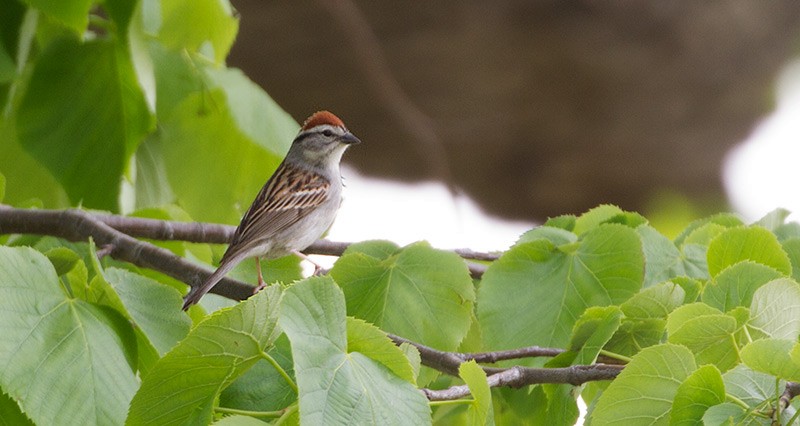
(322,140)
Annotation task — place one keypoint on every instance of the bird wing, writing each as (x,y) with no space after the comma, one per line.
(288,196)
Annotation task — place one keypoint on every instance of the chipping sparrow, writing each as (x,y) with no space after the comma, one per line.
(296,205)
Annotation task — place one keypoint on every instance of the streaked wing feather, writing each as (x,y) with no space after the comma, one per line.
(288,196)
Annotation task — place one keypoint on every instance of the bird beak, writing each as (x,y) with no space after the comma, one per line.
(349,139)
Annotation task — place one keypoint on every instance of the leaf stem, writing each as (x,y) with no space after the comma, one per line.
(615,355)
(288,411)
(737,401)
(451,402)
(281,371)
(747,334)
(270,414)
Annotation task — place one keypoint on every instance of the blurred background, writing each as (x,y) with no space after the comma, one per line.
(531,109)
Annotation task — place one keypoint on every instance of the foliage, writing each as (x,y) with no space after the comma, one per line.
(128,107)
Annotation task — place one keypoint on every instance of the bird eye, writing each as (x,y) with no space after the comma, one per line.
(327,133)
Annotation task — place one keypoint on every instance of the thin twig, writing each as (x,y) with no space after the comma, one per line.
(521,376)
(448,362)
(78,225)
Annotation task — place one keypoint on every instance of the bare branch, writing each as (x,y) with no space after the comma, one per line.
(792,390)
(521,376)
(53,222)
(110,233)
(78,225)
(214,233)
(448,362)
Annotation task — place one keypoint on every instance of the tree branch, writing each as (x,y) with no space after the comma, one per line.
(521,376)
(78,225)
(113,234)
(792,390)
(24,221)
(448,362)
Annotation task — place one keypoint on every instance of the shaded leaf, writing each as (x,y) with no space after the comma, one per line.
(184,385)
(85,146)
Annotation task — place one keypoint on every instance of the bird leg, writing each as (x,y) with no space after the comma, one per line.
(261,283)
(318,269)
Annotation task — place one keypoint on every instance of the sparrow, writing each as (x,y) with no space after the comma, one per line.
(297,204)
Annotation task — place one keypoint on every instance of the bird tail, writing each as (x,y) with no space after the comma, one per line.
(198,292)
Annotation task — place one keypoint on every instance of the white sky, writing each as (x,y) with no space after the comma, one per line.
(405,213)
(764,172)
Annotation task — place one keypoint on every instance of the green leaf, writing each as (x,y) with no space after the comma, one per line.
(686,313)
(379,249)
(701,390)
(240,139)
(592,331)
(690,286)
(635,335)
(643,392)
(792,248)
(63,259)
(83,137)
(606,213)
(753,243)
(735,285)
(204,26)
(537,283)
(28,183)
(556,236)
(662,259)
(420,293)
(654,302)
(772,356)
(2,187)
(726,220)
(66,360)
(774,219)
(237,420)
(74,14)
(711,338)
(775,311)
(152,306)
(337,386)
(184,384)
(751,387)
(12,414)
(262,388)
(726,413)
(693,257)
(479,411)
(565,222)
(369,340)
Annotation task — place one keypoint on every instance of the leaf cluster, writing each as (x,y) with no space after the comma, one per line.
(128,107)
